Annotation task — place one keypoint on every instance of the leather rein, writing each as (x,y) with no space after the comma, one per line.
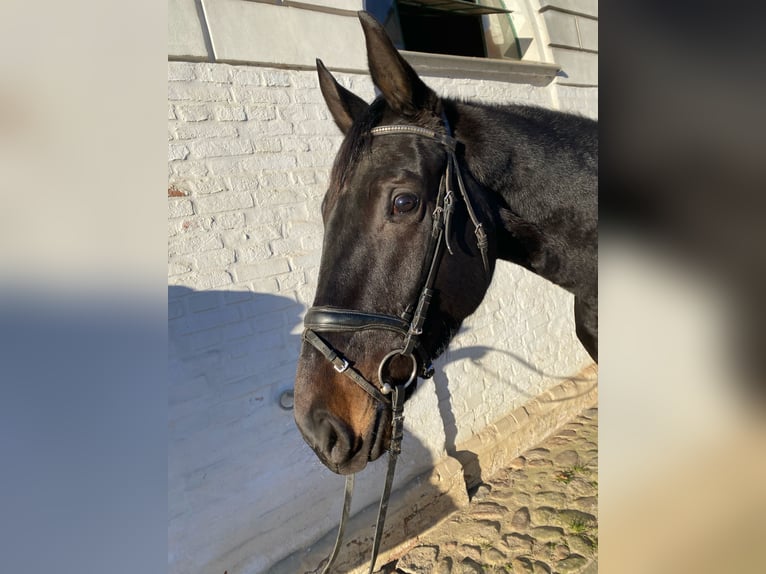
(326,319)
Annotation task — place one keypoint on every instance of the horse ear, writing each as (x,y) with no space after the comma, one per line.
(344,106)
(400,85)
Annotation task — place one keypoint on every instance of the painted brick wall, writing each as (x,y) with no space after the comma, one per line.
(250,151)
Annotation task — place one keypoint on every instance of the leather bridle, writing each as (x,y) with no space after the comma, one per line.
(328,319)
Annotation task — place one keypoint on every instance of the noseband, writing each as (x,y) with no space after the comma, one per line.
(327,319)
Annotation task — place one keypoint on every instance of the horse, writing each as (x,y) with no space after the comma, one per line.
(425,195)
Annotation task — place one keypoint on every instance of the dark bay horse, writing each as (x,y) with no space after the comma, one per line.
(426,193)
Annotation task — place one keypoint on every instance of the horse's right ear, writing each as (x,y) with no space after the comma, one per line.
(344,106)
(400,85)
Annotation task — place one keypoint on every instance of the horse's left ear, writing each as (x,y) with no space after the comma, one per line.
(345,107)
(399,84)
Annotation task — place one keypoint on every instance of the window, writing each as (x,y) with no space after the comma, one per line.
(477,28)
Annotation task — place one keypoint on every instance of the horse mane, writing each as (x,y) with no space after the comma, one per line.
(356,143)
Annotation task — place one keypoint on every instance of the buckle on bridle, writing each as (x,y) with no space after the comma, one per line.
(342,367)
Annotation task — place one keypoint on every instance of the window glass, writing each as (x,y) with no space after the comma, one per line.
(476,28)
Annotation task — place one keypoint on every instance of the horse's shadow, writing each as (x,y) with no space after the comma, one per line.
(468,459)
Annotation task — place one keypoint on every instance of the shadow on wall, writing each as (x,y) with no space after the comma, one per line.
(469,460)
(231,354)
(245,492)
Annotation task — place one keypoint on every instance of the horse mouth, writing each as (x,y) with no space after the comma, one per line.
(378,440)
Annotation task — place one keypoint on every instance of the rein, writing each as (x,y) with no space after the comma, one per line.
(410,325)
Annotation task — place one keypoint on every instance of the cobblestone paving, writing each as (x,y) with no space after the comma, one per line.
(538,516)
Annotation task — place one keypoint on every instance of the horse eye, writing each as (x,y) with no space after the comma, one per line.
(405,202)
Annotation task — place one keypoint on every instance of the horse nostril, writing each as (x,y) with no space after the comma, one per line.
(334,439)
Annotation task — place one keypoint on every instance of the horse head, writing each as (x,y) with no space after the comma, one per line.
(382,213)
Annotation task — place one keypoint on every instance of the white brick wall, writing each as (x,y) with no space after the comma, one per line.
(250,151)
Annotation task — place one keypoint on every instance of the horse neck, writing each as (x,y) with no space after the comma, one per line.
(539,167)
(518,152)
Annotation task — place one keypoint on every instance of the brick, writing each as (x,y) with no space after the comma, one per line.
(219,73)
(263,269)
(193,225)
(276,78)
(286,246)
(237,331)
(187,389)
(258,129)
(300,229)
(297,212)
(196,244)
(191,423)
(296,144)
(228,113)
(291,280)
(220,148)
(179,207)
(215,259)
(228,201)
(260,95)
(294,114)
(203,301)
(204,339)
(251,163)
(178,268)
(303,177)
(262,233)
(193,112)
(269,198)
(176,152)
(206,186)
(237,295)
(244,183)
(196,92)
(261,112)
(188,169)
(307,97)
(268,145)
(247,76)
(202,281)
(306,80)
(322,127)
(314,159)
(232,220)
(264,285)
(306,261)
(175,309)
(229,411)
(323,143)
(204,130)
(180,71)
(210,318)
(253,254)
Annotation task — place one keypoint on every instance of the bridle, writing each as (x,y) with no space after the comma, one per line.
(327,319)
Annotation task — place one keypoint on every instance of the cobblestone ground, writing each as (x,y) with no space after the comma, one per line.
(539,516)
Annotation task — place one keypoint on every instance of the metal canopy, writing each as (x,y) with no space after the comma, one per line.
(455,7)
